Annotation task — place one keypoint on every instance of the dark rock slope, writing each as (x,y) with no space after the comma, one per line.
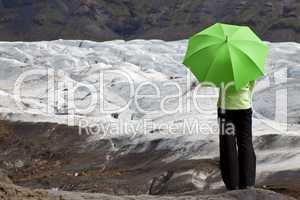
(126,19)
(51,156)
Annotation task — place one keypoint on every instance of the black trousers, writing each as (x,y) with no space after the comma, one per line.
(237,156)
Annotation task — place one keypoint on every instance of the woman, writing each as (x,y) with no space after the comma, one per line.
(237,156)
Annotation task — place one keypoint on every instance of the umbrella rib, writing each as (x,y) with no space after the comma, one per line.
(194,53)
(232,65)
(198,49)
(205,34)
(237,48)
(222,30)
(252,41)
(209,69)
(231,33)
(235,32)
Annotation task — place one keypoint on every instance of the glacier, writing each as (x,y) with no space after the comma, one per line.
(38,78)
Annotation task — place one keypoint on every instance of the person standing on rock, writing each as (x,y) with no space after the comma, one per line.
(231,57)
(237,156)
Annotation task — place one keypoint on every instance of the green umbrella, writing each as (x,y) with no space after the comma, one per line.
(226,53)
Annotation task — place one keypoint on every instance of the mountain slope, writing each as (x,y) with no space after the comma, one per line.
(126,19)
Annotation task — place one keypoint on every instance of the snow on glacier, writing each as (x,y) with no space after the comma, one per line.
(77,64)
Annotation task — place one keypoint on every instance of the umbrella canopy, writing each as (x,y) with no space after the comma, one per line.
(225,54)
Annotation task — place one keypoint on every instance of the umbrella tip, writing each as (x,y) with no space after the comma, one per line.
(226,39)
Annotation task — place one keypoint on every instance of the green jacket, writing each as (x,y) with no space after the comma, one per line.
(237,100)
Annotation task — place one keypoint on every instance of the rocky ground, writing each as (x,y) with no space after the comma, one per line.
(12,192)
(235,195)
(52,157)
(100,20)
